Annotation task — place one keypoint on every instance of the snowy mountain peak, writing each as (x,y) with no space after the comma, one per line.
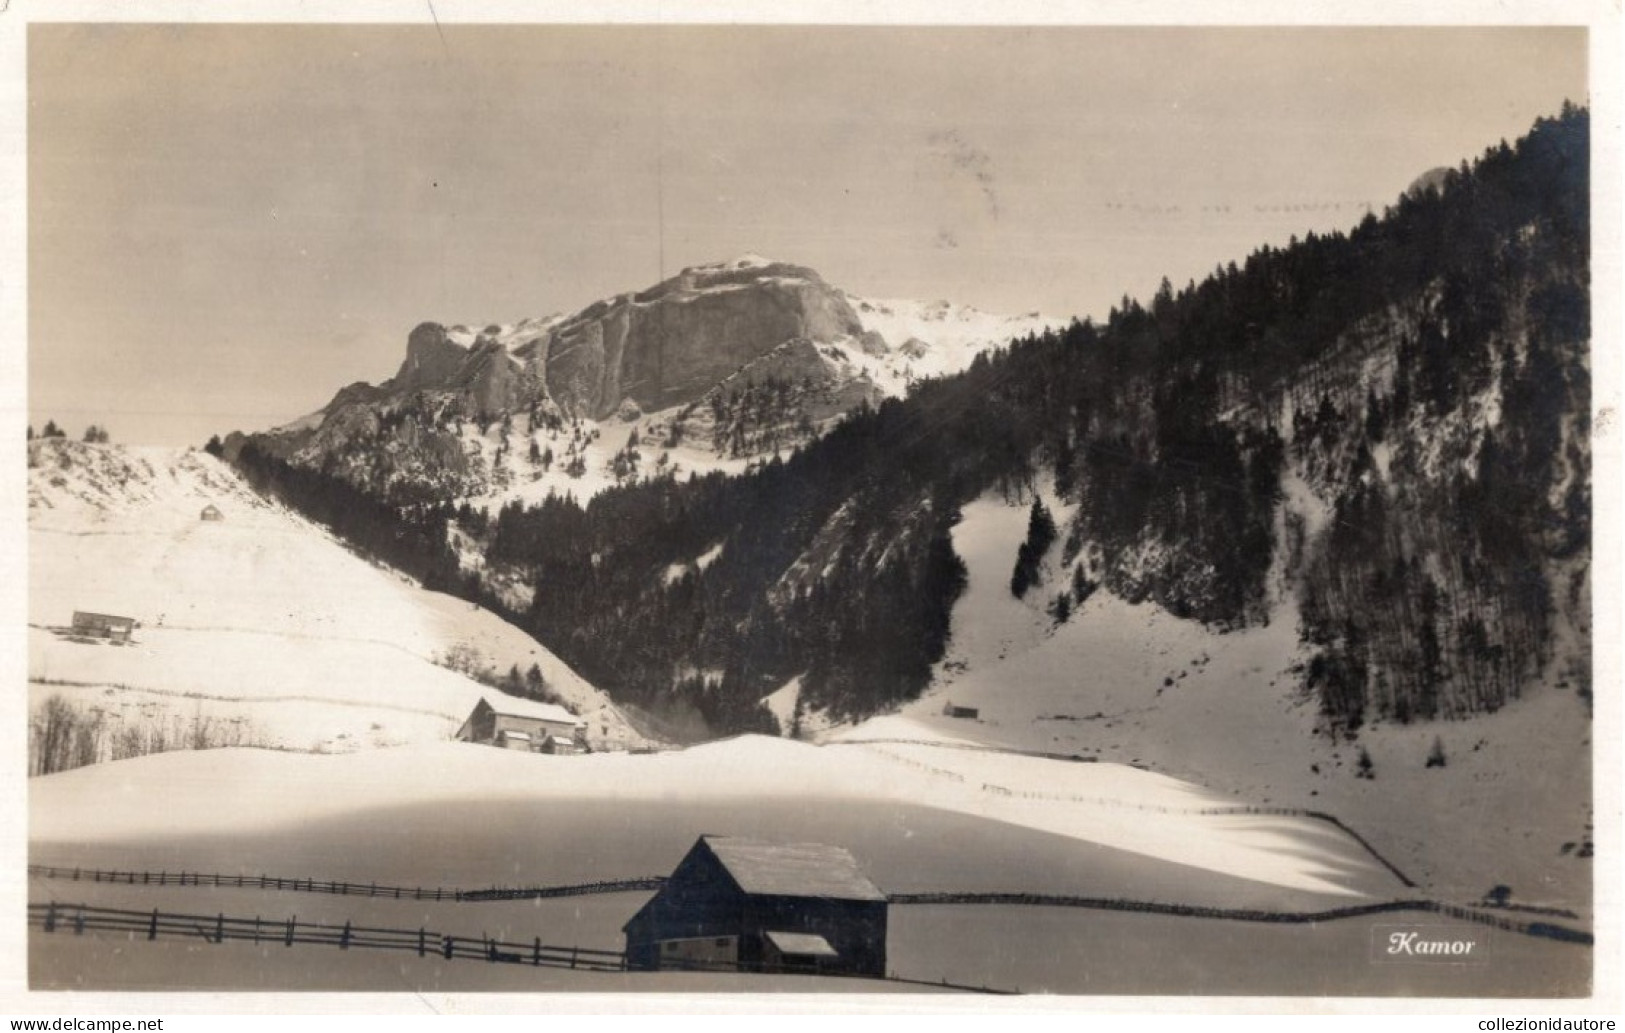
(685,361)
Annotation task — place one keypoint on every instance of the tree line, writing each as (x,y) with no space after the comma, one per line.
(94,433)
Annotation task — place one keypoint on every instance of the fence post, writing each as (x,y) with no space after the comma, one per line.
(344,938)
(50,917)
(220,928)
(448,941)
(152,929)
(288,942)
(79,921)
(536,953)
(423,940)
(573,957)
(76,875)
(256,928)
(146,877)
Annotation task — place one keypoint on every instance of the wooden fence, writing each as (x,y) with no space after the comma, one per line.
(218,928)
(352,889)
(57,917)
(1547,930)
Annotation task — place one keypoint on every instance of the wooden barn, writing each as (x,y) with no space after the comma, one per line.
(103,625)
(522,724)
(952,710)
(756,906)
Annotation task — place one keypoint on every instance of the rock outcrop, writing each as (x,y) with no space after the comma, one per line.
(672,343)
(661,347)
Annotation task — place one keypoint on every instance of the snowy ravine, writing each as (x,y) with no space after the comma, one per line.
(1135,685)
(259,625)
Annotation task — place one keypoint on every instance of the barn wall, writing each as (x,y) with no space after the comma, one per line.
(701,900)
(482,724)
(698,900)
(855,928)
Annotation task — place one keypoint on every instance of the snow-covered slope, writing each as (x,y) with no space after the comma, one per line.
(937,339)
(257,626)
(1133,684)
(1291,862)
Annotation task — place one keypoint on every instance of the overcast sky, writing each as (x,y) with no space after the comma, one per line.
(228,223)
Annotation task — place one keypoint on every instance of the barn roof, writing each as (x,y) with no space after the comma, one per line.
(792,869)
(810,944)
(111,618)
(514,706)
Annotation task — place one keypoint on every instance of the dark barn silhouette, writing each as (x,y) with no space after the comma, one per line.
(103,625)
(762,907)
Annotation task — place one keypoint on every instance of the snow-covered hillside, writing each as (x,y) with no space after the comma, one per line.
(1132,684)
(1155,820)
(937,339)
(257,626)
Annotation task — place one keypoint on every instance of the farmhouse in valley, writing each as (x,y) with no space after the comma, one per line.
(103,625)
(760,906)
(211,512)
(522,724)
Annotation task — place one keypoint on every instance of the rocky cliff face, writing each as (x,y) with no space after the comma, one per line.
(670,345)
(662,347)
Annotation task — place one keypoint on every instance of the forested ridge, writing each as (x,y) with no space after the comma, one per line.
(1421,381)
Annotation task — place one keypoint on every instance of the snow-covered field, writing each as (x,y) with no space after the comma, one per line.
(259,618)
(919,818)
(769,784)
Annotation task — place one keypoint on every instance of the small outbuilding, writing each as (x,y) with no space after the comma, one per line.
(560,744)
(756,906)
(950,710)
(522,724)
(103,625)
(211,513)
